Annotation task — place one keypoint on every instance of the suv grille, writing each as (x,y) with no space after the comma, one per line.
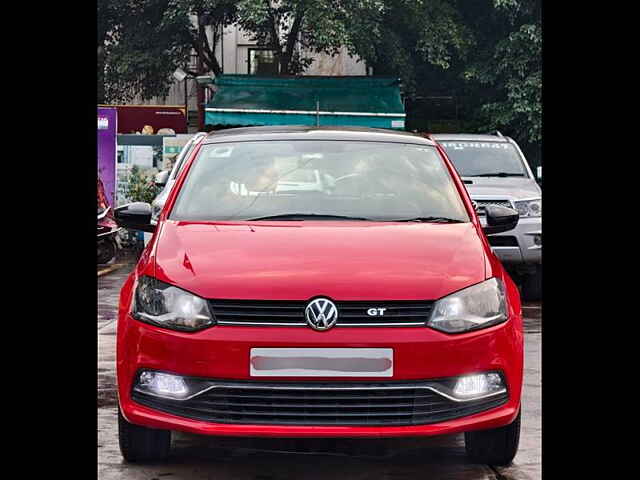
(502,241)
(483,203)
(291,313)
(406,403)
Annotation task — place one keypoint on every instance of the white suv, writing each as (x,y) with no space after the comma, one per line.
(496,172)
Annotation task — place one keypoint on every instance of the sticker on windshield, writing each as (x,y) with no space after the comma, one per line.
(221,152)
(463,145)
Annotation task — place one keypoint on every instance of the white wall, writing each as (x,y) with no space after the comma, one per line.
(339,65)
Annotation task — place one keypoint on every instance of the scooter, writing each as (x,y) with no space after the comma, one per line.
(107,230)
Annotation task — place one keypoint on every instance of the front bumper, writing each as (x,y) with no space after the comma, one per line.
(223,353)
(526,251)
(148,417)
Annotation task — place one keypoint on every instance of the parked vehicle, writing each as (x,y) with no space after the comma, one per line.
(369,306)
(107,229)
(496,172)
(166,178)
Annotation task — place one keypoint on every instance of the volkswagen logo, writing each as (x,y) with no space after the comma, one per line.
(321,314)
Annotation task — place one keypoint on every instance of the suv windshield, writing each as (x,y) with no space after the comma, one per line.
(321,180)
(485,159)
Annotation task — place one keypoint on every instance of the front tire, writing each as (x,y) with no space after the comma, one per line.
(497,446)
(106,251)
(142,444)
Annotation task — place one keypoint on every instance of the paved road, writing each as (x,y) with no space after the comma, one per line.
(200,457)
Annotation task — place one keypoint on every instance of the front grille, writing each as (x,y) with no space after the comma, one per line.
(300,403)
(291,313)
(483,203)
(502,241)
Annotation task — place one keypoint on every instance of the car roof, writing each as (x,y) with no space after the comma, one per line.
(302,132)
(468,137)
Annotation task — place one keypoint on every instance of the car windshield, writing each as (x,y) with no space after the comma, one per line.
(299,179)
(485,159)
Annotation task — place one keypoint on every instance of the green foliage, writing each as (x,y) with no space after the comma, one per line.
(286,25)
(507,72)
(485,51)
(141,186)
(147,40)
(401,37)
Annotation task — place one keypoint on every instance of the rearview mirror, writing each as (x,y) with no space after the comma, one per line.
(500,219)
(134,216)
(162,178)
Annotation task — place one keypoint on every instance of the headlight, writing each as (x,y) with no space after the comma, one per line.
(478,306)
(529,208)
(167,306)
(478,385)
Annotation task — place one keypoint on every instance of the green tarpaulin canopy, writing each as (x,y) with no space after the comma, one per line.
(306,100)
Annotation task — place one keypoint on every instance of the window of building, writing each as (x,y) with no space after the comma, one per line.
(262,62)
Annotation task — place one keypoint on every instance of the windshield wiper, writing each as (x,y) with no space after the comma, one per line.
(307,216)
(497,174)
(429,219)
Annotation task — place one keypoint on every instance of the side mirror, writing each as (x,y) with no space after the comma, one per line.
(500,219)
(162,178)
(135,216)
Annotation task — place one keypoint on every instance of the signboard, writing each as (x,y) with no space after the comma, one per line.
(107,128)
(133,118)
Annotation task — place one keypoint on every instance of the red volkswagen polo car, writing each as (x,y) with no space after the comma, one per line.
(319,282)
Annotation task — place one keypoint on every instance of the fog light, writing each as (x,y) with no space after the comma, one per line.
(162,385)
(478,385)
(537,239)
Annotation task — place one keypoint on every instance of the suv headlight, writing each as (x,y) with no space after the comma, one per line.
(166,306)
(529,208)
(479,306)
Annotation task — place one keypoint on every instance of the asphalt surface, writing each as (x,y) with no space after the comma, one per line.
(196,457)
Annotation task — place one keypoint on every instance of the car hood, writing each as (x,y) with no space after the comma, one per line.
(301,260)
(508,187)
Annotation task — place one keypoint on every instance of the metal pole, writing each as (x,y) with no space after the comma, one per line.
(317,112)
(222,48)
(200,97)
(186,105)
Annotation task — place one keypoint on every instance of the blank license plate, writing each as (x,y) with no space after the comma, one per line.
(321,362)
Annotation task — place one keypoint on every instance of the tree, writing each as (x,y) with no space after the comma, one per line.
(141,186)
(401,37)
(508,65)
(149,39)
(486,51)
(295,29)
(108,12)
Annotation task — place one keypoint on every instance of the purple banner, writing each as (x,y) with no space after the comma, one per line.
(107,128)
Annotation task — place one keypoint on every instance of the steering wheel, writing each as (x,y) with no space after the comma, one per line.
(369,182)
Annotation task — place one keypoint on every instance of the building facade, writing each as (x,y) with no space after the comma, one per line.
(238,54)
